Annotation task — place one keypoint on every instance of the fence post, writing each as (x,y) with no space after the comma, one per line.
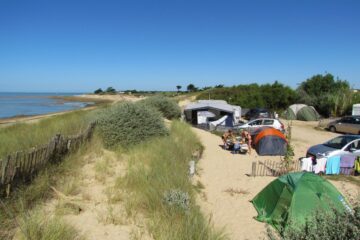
(253,169)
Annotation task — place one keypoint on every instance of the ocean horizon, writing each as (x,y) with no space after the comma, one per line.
(13,104)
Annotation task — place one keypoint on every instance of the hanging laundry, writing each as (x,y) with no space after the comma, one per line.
(347,163)
(320,165)
(333,165)
(306,164)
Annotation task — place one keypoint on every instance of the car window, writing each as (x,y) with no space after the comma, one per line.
(355,144)
(268,122)
(255,123)
(346,120)
(338,142)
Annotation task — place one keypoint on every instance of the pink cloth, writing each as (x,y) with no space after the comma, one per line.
(320,165)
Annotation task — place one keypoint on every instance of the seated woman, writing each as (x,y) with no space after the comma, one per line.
(227,136)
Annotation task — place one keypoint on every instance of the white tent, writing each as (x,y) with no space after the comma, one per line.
(356,109)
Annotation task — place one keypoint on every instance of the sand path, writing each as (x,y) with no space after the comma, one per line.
(221,172)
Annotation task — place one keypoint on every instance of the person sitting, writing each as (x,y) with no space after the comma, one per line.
(236,147)
(227,136)
(247,138)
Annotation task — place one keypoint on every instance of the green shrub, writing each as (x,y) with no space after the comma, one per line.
(166,106)
(330,226)
(126,124)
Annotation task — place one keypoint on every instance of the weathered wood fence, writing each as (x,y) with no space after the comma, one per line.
(272,168)
(23,165)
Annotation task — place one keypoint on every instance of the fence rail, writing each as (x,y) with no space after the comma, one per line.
(22,165)
(272,168)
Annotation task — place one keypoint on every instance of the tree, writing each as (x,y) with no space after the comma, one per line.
(191,88)
(219,86)
(328,95)
(178,87)
(98,91)
(110,90)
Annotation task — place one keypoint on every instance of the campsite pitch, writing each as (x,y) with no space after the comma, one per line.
(228,188)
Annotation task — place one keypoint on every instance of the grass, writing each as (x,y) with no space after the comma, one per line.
(157,167)
(23,136)
(62,176)
(38,226)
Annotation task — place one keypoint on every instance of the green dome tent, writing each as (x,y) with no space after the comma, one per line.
(295,197)
(307,114)
(301,112)
(289,114)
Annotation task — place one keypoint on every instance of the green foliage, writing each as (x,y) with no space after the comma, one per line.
(98,91)
(274,96)
(327,95)
(191,88)
(168,108)
(331,226)
(160,188)
(126,124)
(178,87)
(110,90)
(287,161)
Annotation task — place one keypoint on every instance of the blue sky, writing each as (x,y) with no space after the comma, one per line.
(156,45)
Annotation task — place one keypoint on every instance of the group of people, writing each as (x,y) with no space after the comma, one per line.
(230,140)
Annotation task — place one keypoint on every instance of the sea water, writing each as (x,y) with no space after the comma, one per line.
(20,104)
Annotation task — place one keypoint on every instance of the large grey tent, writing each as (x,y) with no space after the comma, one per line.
(301,112)
(218,108)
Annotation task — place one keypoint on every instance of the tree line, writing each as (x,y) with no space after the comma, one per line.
(329,95)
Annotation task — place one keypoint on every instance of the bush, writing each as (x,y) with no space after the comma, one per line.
(127,124)
(166,106)
(333,225)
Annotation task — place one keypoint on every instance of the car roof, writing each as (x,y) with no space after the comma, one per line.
(354,137)
(264,119)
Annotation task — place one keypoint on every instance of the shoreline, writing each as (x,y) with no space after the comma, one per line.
(97,100)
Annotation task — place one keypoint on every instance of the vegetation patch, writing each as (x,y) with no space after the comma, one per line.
(159,187)
(324,225)
(168,107)
(127,124)
(38,225)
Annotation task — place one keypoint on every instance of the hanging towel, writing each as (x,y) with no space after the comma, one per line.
(320,165)
(333,165)
(347,163)
(306,164)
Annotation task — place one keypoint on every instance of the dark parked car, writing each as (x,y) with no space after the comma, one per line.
(350,124)
(255,113)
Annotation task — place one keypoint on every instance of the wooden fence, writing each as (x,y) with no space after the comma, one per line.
(21,166)
(272,168)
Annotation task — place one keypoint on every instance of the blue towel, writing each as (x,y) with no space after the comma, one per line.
(333,165)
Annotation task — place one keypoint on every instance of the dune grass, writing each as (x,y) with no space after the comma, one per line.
(158,167)
(37,225)
(24,136)
(62,176)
